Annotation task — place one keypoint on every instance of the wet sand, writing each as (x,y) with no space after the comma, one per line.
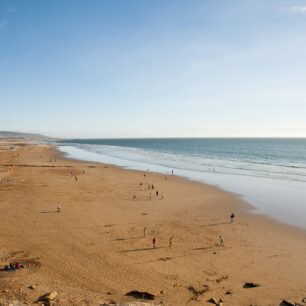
(94,252)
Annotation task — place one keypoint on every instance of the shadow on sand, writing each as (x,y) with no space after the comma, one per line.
(138,250)
(139,199)
(49,212)
(164,259)
(202,248)
(131,238)
(214,224)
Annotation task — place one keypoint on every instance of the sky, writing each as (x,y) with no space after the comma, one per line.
(153,68)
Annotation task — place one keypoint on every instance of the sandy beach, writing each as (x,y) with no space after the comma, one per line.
(94,251)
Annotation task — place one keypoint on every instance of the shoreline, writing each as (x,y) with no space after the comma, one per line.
(244,205)
(251,207)
(99,234)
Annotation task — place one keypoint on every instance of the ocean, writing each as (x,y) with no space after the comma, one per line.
(269,173)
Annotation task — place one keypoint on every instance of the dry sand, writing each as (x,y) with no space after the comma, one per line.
(94,251)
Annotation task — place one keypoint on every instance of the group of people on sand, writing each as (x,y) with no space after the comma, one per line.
(154,242)
(220,243)
(154,238)
(12,267)
(151,187)
(75,176)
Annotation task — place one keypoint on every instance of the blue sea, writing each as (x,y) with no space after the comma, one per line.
(268,173)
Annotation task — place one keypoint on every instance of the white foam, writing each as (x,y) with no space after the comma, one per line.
(271,190)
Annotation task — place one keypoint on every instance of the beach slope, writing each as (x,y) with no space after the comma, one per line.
(92,250)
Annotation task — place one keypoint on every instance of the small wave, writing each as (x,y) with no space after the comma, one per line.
(199,164)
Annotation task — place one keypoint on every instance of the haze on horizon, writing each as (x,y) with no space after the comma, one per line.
(153,68)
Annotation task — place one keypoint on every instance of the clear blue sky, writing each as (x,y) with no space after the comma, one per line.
(150,68)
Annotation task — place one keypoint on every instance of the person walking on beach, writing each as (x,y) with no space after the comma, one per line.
(152,187)
(59,208)
(170,241)
(221,241)
(157,193)
(145,231)
(154,242)
(232,218)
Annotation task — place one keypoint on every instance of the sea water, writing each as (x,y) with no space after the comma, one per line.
(268,173)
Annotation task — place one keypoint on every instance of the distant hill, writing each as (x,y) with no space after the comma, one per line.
(17,135)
